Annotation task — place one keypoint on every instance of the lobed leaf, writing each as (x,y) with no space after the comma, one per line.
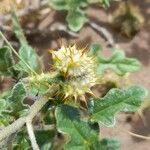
(117,100)
(16,100)
(76,19)
(119,63)
(76,16)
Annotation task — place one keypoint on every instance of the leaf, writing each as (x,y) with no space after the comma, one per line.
(16,100)
(44,138)
(76,20)
(3,106)
(31,58)
(117,100)
(21,141)
(95,49)
(105,3)
(26,52)
(59,4)
(5,118)
(76,16)
(6,61)
(68,5)
(110,144)
(80,135)
(119,63)
(22,145)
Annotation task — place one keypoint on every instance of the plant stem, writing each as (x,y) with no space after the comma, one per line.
(7,131)
(35,108)
(32,136)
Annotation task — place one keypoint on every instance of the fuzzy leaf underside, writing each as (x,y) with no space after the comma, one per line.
(119,63)
(117,100)
(80,135)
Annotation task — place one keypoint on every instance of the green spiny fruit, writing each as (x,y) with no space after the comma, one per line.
(127,19)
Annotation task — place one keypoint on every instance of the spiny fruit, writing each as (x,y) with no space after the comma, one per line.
(127,19)
(77,69)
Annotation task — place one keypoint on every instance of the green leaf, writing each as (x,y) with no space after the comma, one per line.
(44,139)
(16,100)
(119,63)
(76,20)
(3,106)
(21,141)
(80,135)
(31,58)
(117,100)
(26,52)
(6,61)
(68,4)
(22,145)
(59,4)
(105,3)
(76,16)
(5,117)
(110,144)
(95,49)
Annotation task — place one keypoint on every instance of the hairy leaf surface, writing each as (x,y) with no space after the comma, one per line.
(117,100)
(80,135)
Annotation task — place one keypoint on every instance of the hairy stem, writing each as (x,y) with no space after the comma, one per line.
(35,108)
(32,135)
(14,127)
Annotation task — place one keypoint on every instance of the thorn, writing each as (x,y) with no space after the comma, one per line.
(91,93)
